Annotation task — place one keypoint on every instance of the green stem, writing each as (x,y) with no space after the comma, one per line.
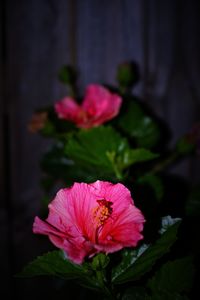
(108,293)
(124,90)
(112,158)
(165,163)
(117,172)
(72,90)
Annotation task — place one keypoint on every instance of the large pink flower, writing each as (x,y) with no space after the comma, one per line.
(98,106)
(90,218)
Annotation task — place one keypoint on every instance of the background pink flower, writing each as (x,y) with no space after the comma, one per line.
(90,218)
(98,106)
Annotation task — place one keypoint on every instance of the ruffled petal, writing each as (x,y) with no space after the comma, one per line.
(41,227)
(76,248)
(123,228)
(77,251)
(96,98)
(68,109)
(100,104)
(118,194)
(88,218)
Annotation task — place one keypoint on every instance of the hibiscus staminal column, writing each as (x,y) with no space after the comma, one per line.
(100,214)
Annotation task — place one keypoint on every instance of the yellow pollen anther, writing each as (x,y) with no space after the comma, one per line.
(102,212)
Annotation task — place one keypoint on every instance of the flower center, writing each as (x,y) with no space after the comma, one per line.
(82,115)
(102,212)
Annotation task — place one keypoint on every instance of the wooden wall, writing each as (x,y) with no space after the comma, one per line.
(38,37)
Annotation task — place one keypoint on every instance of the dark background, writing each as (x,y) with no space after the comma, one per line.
(40,36)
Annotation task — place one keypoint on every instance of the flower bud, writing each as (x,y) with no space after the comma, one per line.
(100,261)
(38,121)
(127,74)
(67,75)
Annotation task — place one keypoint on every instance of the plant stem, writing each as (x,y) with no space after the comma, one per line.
(72,90)
(166,162)
(112,157)
(108,293)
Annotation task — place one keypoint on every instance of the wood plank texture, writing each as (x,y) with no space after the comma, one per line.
(95,36)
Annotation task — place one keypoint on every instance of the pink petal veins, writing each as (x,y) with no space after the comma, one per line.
(90,218)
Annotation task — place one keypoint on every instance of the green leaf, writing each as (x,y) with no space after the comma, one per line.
(58,166)
(94,147)
(49,129)
(54,127)
(184,146)
(52,263)
(136,293)
(56,264)
(168,296)
(55,162)
(133,156)
(167,222)
(192,206)
(103,151)
(173,277)
(95,151)
(155,183)
(135,263)
(140,126)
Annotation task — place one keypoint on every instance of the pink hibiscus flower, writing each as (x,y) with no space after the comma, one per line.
(98,106)
(90,218)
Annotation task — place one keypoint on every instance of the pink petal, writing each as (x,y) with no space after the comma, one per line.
(55,235)
(67,109)
(89,218)
(80,204)
(42,227)
(77,251)
(116,193)
(123,228)
(95,100)
(100,104)
(76,248)
(72,208)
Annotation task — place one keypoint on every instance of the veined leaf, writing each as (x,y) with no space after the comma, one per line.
(136,293)
(167,296)
(133,156)
(91,147)
(192,206)
(167,222)
(136,263)
(173,277)
(102,149)
(52,263)
(56,264)
(140,126)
